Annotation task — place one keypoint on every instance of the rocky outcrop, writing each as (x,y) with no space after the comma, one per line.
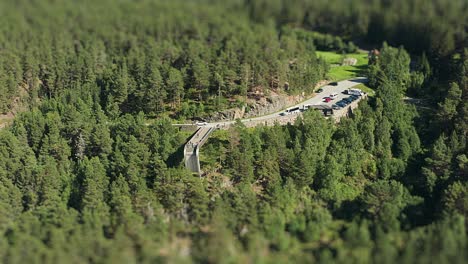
(271,104)
(230,114)
(261,106)
(17,105)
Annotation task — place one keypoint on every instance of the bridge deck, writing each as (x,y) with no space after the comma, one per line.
(191,149)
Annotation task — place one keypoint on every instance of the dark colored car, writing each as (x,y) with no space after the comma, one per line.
(341,104)
(333,83)
(354,97)
(336,107)
(320,90)
(345,92)
(347,100)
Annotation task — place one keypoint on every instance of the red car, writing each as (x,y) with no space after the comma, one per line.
(327,99)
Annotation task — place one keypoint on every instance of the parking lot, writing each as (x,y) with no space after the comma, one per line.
(286,117)
(334,100)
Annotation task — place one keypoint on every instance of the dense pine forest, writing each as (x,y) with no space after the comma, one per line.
(91,168)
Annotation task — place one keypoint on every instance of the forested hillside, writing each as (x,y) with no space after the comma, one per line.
(91,168)
(436,26)
(148,56)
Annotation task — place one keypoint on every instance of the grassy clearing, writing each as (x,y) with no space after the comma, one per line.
(366,89)
(338,72)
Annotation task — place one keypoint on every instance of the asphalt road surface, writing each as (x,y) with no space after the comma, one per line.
(316,100)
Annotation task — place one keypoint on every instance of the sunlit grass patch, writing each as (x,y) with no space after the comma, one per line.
(338,72)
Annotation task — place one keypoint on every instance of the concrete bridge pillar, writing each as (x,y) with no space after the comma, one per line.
(192,148)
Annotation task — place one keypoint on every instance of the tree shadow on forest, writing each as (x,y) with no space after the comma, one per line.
(176,159)
(422,213)
(348,210)
(358,70)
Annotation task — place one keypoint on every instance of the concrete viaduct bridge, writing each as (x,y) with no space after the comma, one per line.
(203,132)
(192,148)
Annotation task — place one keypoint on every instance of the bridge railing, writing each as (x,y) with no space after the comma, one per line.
(206,136)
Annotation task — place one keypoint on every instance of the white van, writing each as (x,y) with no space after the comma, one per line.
(293,110)
(355,92)
(333,96)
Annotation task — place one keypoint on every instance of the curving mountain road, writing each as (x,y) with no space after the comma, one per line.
(191,149)
(316,100)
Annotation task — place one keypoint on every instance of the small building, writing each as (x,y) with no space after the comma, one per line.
(373,56)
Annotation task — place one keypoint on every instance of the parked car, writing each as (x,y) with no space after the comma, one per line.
(199,123)
(336,107)
(333,96)
(354,97)
(346,91)
(333,83)
(347,100)
(320,90)
(327,99)
(357,92)
(341,104)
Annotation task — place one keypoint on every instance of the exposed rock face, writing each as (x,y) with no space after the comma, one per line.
(271,104)
(262,106)
(230,114)
(17,105)
(290,119)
